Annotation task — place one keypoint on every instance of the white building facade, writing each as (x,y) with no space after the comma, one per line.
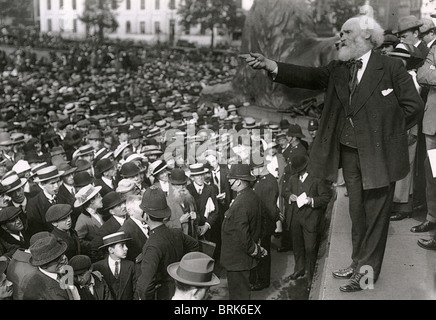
(144,20)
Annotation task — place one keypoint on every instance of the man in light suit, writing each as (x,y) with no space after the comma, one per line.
(370,103)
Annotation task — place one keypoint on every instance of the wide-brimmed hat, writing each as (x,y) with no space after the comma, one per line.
(5,139)
(114,238)
(178,177)
(9,213)
(408,23)
(82,179)
(151,150)
(250,123)
(111,199)
(48,173)
(428,25)
(195,269)
(125,185)
(409,53)
(154,203)
(83,151)
(240,171)
(197,169)
(157,166)
(80,264)
(46,250)
(120,149)
(58,212)
(12,182)
(294,130)
(153,132)
(299,163)
(85,194)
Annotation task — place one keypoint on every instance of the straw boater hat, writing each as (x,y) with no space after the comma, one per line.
(21,166)
(48,173)
(114,238)
(12,182)
(195,269)
(85,194)
(197,169)
(157,166)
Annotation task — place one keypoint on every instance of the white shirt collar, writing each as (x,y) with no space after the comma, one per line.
(119,219)
(141,226)
(16,236)
(417,44)
(50,197)
(52,275)
(430,43)
(304,177)
(198,188)
(107,181)
(112,264)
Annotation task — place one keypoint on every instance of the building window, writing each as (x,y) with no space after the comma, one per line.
(61,4)
(142,27)
(157,5)
(142,4)
(61,25)
(49,25)
(172,4)
(74,5)
(48,4)
(157,27)
(128,27)
(127,4)
(74,25)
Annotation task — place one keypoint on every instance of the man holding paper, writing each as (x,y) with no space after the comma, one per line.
(308,198)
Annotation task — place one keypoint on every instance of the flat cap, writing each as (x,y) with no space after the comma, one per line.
(9,213)
(80,264)
(58,212)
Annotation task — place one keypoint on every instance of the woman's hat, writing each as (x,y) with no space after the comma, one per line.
(154,203)
(157,166)
(195,269)
(240,171)
(46,250)
(114,238)
(299,163)
(48,173)
(197,169)
(125,185)
(85,194)
(178,177)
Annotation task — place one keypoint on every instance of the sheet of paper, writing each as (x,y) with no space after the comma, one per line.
(301,200)
(432,158)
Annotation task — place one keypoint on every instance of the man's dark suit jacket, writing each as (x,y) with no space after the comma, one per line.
(42,287)
(163,247)
(386,105)
(71,238)
(104,187)
(65,197)
(138,239)
(200,203)
(6,236)
(110,226)
(101,289)
(36,209)
(127,278)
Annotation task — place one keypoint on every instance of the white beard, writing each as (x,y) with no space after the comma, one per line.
(357,49)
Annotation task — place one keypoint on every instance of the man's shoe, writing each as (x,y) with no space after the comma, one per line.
(424,227)
(400,215)
(259,286)
(427,244)
(353,285)
(283,249)
(295,275)
(346,273)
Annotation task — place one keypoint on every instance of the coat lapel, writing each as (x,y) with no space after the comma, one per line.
(341,77)
(370,80)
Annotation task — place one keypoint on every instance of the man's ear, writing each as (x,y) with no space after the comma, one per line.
(366,35)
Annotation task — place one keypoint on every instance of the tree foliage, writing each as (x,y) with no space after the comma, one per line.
(210,14)
(17,9)
(99,15)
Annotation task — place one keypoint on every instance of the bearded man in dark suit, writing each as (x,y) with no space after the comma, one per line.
(369,105)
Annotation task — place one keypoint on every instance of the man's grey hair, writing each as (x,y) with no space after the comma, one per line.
(374,29)
(132,204)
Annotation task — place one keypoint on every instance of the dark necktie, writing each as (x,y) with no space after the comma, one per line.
(117,270)
(21,238)
(354,66)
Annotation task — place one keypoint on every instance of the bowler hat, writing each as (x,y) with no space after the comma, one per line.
(313,125)
(57,150)
(82,179)
(9,213)
(195,269)
(408,23)
(240,171)
(428,25)
(294,130)
(125,185)
(66,168)
(103,165)
(114,238)
(154,203)
(95,135)
(129,169)
(48,173)
(85,194)
(46,250)
(299,163)
(111,199)
(178,177)
(197,169)
(82,165)
(135,134)
(80,264)
(58,212)
(284,124)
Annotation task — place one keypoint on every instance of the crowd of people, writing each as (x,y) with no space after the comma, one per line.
(111,164)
